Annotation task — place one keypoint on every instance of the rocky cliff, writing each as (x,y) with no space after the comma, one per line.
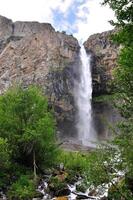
(104,55)
(32,52)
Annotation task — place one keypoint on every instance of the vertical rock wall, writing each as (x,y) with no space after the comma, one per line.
(34,53)
(104,59)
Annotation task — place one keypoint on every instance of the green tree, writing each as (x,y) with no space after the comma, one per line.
(29,126)
(124,78)
(123,10)
(124,99)
(117,155)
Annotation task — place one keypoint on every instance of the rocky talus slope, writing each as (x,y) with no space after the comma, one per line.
(34,53)
(104,56)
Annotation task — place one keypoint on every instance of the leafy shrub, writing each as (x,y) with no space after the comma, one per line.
(73,160)
(22,189)
(56,184)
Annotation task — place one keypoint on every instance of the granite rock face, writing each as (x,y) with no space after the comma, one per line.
(34,53)
(104,55)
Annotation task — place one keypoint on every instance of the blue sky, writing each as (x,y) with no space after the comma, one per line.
(67,20)
(78,17)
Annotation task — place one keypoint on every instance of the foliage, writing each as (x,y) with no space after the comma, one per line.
(124,71)
(4,154)
(10,173)
(55,184)
(76,165)
(123,10)
(97,170)
(124,35)
(82,187)
(125,143)
(103,167)
(28,125)
(116,191)
(4,163)
(124,84)
(22,189)
(124,81)
(104,98)
(103,164)
(88,165)
(73,160)
(124,98)
(4,179)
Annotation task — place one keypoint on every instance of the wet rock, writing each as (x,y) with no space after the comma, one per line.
(47,172)
(61,167)
(63,192)
(81,187)
(57,187)
(92,193)
(2,196)
(103,198)
(72,177)
(81,196)
(43,186)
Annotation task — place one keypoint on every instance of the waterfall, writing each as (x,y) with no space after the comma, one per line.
(83,97)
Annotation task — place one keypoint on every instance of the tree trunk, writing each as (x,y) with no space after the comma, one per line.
(34,166)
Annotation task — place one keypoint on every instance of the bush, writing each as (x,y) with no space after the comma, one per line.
(73,160)
(23,189)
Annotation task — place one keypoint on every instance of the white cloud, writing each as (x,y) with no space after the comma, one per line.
(65,5)
(33,10)
(93,20)
(28,10)
(91,17)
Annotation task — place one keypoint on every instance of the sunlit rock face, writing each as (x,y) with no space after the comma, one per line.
(34,53)
(104,55)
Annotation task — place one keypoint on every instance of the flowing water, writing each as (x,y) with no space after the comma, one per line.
(90,123)
(83,97)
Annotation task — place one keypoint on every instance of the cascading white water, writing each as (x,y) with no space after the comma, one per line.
(86,133)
